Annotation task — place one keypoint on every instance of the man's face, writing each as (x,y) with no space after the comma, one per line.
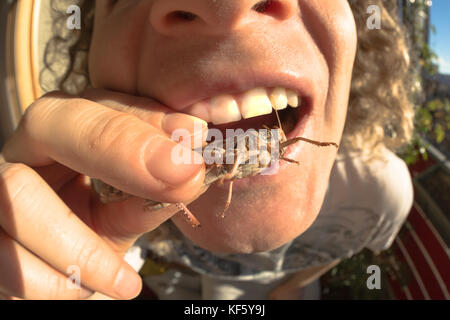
(152,48)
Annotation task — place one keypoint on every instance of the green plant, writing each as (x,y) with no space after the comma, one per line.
(432,118)
(428,59)
(348,280)
(432,121)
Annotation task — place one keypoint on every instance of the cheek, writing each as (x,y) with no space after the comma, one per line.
(343,31)
(115,50)
(344,35)
(332,26)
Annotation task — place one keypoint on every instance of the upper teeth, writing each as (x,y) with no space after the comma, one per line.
(253,103)
(279,98)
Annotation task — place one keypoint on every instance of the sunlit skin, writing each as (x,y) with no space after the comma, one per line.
(229,46)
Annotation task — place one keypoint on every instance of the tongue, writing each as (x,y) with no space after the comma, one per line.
(245,124)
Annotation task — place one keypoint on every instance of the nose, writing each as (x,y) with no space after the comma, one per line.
(215,17)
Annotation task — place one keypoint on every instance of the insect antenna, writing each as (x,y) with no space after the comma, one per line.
(290,160)
(278,119)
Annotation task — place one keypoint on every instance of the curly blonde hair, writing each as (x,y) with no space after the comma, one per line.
(380,110)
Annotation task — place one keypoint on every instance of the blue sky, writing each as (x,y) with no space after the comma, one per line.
(440,42)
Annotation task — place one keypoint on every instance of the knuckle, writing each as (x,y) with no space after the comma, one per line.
(89,254)
(57,287)
(92,260)
(40,110)
(31,113)
(14,172)
(110,133)
(96,265)
(16,181)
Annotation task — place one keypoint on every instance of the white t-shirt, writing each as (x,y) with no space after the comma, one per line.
(365,207)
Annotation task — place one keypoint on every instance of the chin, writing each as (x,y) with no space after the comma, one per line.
(266,212)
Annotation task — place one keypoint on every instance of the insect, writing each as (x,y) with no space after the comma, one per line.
(241,152)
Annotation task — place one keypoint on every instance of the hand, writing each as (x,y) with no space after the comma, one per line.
(50,218)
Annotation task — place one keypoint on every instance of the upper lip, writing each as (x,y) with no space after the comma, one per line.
(199,89)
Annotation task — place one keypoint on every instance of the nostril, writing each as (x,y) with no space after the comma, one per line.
(262,6)
(272,8)
(179,16)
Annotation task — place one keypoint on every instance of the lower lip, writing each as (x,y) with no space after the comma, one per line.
(291,152)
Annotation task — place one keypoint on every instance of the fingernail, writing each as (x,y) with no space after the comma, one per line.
(186,129)
(127,284)
(173,163)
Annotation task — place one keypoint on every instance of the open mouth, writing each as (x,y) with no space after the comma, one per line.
(257,109)
(254,109)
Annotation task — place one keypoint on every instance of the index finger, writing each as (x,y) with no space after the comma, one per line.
(149,111)
(43,224)
(118,148)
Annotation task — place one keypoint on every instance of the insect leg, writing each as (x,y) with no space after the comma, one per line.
(230,175)
(290,160)
(188,214)
(317,143)
(227,204)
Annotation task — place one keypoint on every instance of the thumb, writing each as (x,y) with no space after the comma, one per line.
(192,131)
(121,223)
(150,111)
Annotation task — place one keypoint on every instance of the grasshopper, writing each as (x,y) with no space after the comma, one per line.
(240,168)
